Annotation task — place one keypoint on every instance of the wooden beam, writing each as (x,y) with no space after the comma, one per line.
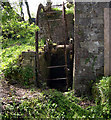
(59,66)
(107,41)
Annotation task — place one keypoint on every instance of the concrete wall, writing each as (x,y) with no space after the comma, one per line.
(89,44)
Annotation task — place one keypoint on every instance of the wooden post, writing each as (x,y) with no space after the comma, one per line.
(74,49)
(107,41)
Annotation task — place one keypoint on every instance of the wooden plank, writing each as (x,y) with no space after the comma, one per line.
(51,12)
(54,20)
(65,39)
(107,41)
(57,66)
(57,79)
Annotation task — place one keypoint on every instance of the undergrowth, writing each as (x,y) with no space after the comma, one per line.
(54,104)
(102,95)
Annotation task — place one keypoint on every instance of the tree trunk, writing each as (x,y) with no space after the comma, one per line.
(21,10)
(28,11)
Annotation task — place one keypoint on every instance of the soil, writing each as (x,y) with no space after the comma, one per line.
(19,92)
(8,91)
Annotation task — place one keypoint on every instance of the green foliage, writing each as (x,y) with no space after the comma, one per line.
(8,14)
(11,54)
(20,75)
(56,9)
(14,28)
(42,42)
(71,96)
(102,91)
(52,104)
(103,87)
(65,105)
(17,36)
(27,74)
(70,10)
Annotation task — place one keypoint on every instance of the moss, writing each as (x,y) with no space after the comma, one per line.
(78,11)
(80,32)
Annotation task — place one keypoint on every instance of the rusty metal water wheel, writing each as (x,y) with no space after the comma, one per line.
(64,24)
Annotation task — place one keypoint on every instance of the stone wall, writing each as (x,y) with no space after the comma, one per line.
(88,44)
(28,59)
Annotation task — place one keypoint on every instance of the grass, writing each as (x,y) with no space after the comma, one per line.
(13,48)
(52,104)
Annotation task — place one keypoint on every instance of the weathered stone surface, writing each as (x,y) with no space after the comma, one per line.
(28,59)
(88,44)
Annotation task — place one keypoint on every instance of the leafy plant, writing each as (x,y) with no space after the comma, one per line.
(102,91)
(13,27)
(19,75)
(54,105)
(17,36)
(70,10)
(51,104)
(64,106)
